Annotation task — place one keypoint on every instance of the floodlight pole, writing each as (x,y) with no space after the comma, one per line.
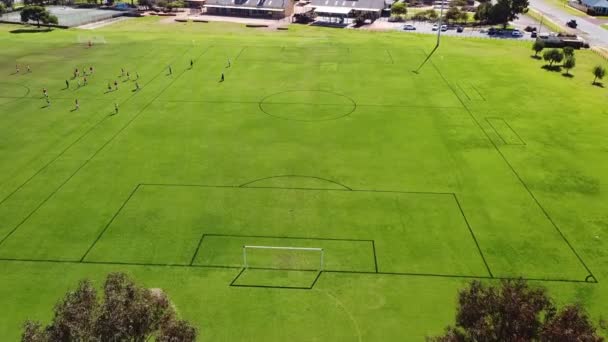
(438,39)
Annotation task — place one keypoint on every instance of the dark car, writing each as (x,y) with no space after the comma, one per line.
(492,31)
(572,24)
(459,29)
(533,34)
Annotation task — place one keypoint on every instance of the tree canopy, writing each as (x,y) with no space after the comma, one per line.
(38,14)
(127,312)
(568,51)
(514,311)
(538,46)
(553,56)
(569,63)
(399,8)
(8,3)
(599,72)
(455,14)
(482,13)
(502,12)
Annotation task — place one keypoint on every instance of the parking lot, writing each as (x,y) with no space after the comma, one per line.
(469,32)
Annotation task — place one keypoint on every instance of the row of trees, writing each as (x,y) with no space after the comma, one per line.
(127,312)
(556,56)
(454,13)
(514,311)
(501,12)
(509,311)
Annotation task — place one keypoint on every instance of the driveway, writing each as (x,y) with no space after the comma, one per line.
(588,28)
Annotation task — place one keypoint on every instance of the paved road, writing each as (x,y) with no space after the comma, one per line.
(587,29)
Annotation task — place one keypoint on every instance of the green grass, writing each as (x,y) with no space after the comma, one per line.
(482,165)
(547,23)
(563,4)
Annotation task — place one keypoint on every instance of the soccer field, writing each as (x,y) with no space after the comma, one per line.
(481,166)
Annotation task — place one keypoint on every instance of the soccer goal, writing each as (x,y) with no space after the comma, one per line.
(89,39)
(283,258)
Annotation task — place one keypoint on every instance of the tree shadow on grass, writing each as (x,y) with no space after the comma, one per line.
(536,57)
(598,84)
(554,68)
(31,30)
(567,75)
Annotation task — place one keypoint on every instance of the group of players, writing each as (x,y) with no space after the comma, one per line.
(82,74)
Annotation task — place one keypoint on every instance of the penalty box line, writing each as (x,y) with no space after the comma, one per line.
(203,235)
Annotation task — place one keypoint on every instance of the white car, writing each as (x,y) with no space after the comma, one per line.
(435,27)
(409,27)
(444,28)
(517,33)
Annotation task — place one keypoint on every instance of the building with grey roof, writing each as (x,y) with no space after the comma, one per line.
(272,9)
(597,7)
(347,8)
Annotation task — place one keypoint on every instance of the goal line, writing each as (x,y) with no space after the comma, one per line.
(246,259)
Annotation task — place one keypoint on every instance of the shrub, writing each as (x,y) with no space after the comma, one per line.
(599,72)
(569,63)
(399,8)
(538,46)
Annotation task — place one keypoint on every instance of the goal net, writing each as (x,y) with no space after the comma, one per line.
(283,258)
(90,39)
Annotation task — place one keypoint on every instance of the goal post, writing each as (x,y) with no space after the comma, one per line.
(91,39)
(294,252)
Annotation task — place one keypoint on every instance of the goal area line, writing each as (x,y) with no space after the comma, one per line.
(364,250)
(283,248)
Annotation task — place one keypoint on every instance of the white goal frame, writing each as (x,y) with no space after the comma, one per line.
(94,39)
(315,249)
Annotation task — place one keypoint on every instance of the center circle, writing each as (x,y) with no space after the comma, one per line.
(307,105)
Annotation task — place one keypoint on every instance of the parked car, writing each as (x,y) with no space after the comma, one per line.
(533,34)
(435,27)
(459,29)
(409,27)
(492,31)
(572,24)
(444,28)
(516,33)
